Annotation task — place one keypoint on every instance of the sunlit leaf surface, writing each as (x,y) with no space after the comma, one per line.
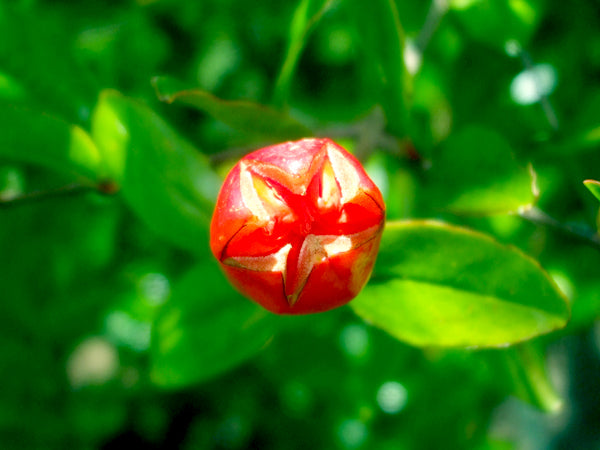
(165,180)
(439,285)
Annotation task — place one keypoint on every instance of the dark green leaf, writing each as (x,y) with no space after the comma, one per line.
(11,89)
(475,173)
(580,136)
(248,117)
(378,26)
(440,285)
(39,139)
(526,367)
(306,16)
(206,329)
(165,180)
(36,51)
(496,22)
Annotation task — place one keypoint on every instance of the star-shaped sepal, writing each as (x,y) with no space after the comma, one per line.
(297,226)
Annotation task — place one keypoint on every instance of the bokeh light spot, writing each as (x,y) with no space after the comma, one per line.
(392,397)
(12,183)
(125,330)
(354,340)
(512,48)
(352,433)
(532,84)
(155,288)
(93,362)
(412,57)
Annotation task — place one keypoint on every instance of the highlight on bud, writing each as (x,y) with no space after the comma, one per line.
(297,226)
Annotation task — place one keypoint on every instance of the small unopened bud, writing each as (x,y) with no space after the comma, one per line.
(297,226)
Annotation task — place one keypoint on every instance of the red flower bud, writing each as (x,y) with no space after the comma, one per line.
(297,226)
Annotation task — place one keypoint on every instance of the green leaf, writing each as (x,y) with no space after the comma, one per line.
(164,179)
(594,187)
(206,328)
(579,137)
(306,16)
(245,116)
(37,51)
(35,138)
(379,28)
(440,285)
(496,22)
(474,172)
(586,140)
(527,372)
(11,89)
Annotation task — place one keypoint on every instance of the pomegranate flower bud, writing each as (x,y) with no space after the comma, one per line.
(297,226)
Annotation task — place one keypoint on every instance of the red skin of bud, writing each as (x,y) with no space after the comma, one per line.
(297,226)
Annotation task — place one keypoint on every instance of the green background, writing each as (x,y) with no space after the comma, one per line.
(478,119)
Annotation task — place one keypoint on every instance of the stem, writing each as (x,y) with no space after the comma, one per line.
(370,131)
(547,107)
(68,190)
(539,217)
(369,134)
(437,10)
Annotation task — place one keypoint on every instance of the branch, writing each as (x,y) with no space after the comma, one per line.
(539,217)
(72,189)
(368,132)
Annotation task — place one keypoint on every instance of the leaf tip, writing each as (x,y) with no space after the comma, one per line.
(593,186)
(157,82)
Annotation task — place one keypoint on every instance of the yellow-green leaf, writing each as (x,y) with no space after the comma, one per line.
(164,179)
(439,285)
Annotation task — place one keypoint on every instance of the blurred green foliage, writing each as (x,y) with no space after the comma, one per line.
(118,120)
